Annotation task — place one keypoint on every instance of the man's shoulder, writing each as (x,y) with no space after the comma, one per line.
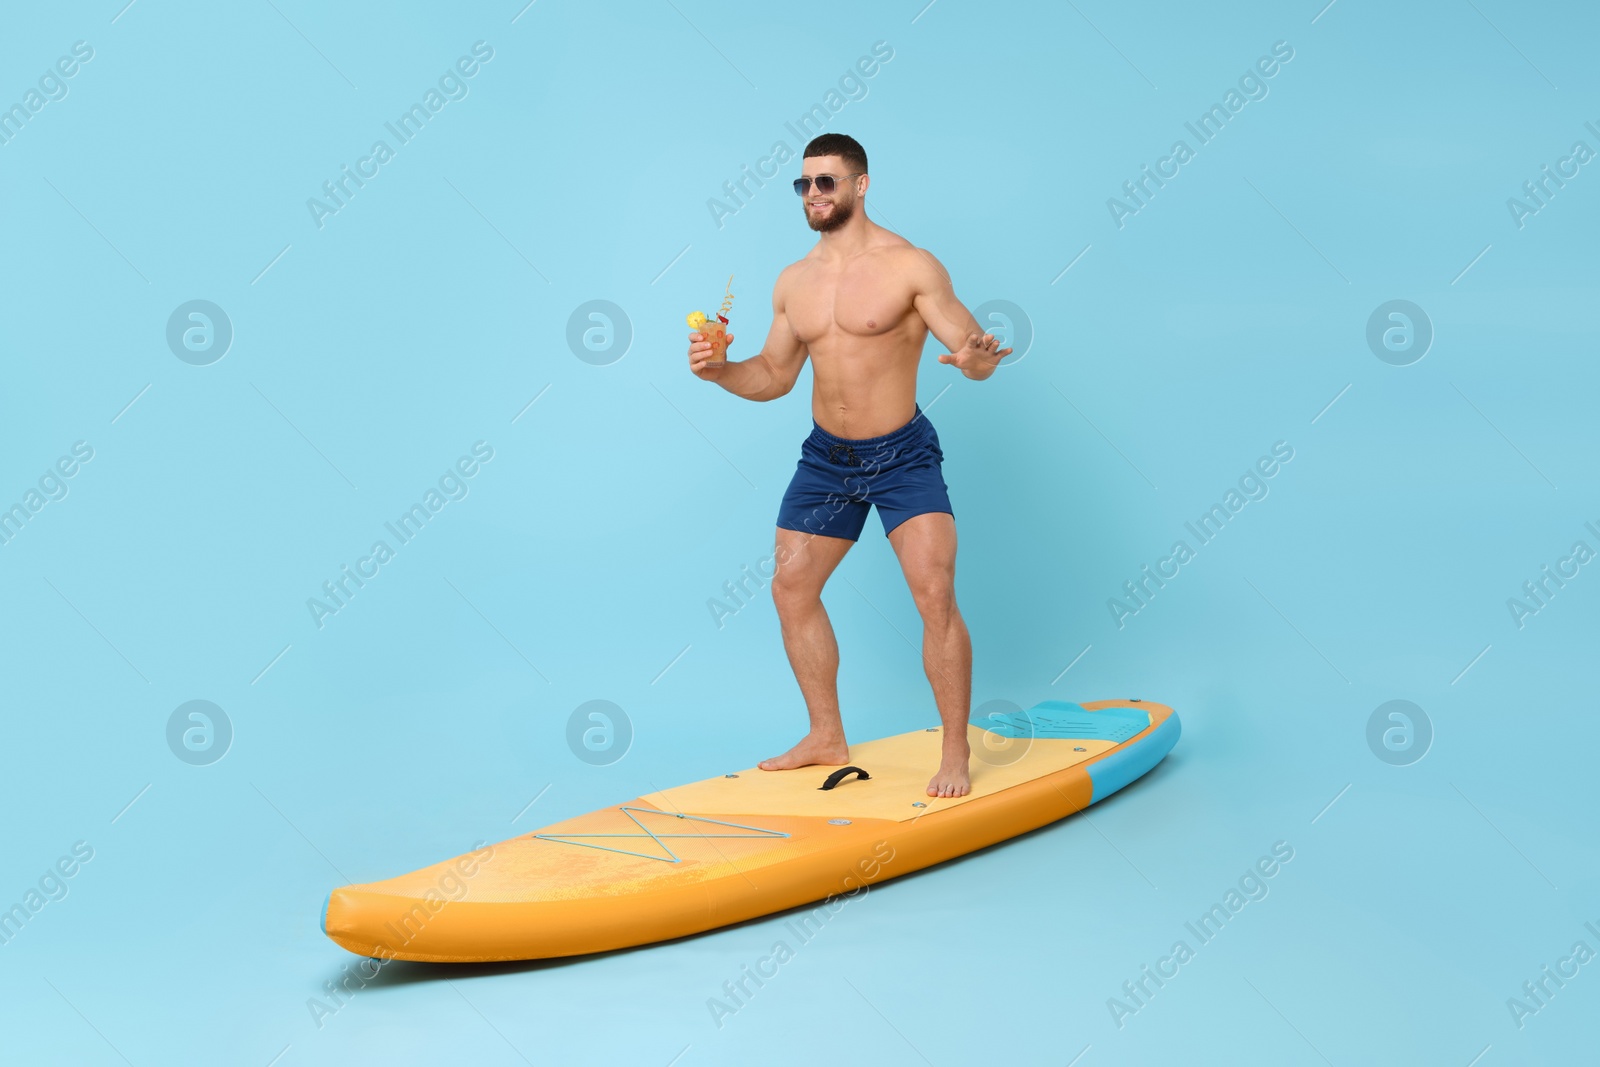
(787,275)
(887,242)
(909,261)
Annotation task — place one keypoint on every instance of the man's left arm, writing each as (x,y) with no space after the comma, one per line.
(972,351)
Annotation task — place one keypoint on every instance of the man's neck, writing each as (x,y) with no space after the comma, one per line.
(849,239)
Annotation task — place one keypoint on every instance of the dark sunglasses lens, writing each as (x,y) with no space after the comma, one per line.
(802,186)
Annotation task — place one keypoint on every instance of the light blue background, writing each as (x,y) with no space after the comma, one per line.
(369,354)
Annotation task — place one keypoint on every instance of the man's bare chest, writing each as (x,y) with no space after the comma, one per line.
(859,300)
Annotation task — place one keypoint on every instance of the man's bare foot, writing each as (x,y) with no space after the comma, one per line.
(952,779)
(811,750)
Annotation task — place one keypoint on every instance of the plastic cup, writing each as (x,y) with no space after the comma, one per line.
(715,332)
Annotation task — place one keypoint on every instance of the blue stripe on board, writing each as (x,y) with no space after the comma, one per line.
(1118,769)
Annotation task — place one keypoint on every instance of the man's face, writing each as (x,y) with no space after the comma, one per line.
(825,212)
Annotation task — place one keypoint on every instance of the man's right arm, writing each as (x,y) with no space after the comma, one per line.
(766,376)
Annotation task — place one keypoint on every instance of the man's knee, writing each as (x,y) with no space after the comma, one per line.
(796,589)
(794,585)
(935,595)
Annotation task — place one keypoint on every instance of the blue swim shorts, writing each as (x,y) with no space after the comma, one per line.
(839,479)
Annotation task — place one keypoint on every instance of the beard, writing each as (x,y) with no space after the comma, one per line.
(843,211)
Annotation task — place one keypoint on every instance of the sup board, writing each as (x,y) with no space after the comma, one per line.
(751,842)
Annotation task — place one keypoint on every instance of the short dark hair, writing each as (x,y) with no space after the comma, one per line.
(842,145)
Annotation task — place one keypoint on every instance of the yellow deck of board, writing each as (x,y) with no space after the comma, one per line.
(548,893)
(900,767)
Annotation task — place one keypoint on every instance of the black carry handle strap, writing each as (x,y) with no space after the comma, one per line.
(839,775)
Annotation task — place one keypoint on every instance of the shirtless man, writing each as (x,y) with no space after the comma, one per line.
(861,304)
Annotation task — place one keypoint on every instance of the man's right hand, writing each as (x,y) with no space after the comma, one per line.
(700,353)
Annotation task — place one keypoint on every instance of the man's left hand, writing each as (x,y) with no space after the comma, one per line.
(977,358)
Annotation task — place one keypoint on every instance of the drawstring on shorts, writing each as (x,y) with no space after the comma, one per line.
(833,455)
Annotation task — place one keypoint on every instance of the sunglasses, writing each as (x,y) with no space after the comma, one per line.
(825,183)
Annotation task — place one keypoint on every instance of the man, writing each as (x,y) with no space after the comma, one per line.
(861,304)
